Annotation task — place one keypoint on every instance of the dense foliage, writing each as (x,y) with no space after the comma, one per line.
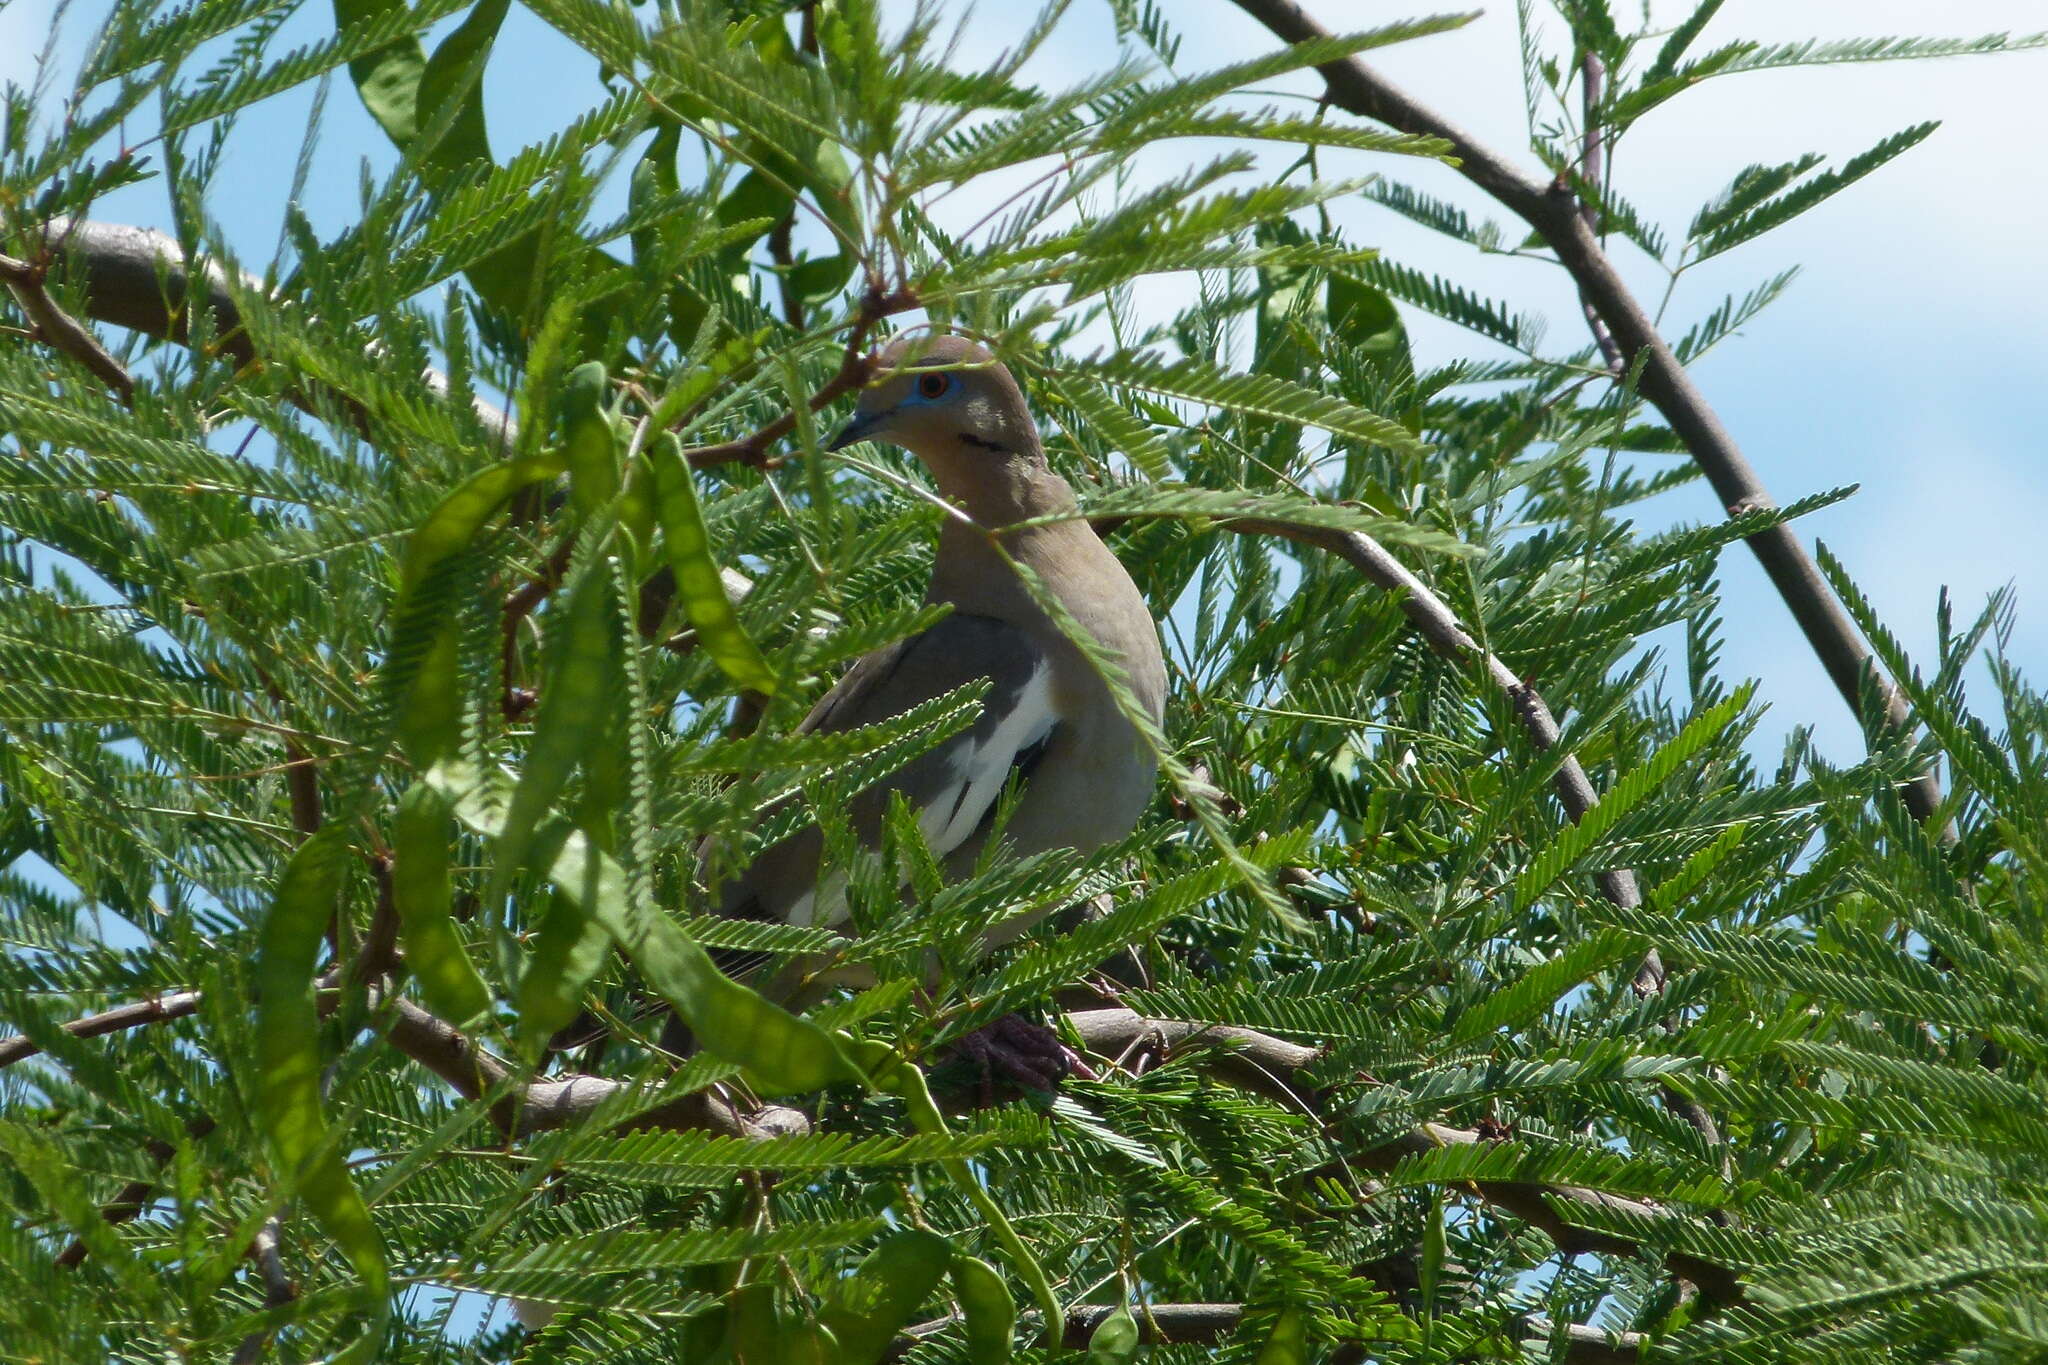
(380,642)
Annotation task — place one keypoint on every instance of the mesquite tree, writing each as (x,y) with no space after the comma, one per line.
(384,632)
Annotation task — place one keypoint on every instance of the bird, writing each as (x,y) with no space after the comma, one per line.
(1048,721)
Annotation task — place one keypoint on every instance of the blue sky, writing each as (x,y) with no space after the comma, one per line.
(1906,357)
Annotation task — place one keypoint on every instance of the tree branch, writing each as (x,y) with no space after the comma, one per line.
(1163,1324)
(443,1049)
(61,330)
(1274,1067)
(302,780)
(854,367)
(156,1009)
(785,264)
(1591,75)
(558,1101)
(1439,626)
(1553,210)
(138,278)
(278,1289)
(1252,1060)
(133,1197)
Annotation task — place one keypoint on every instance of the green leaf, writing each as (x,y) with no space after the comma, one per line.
(590,443)
(1511,1005)
(1119,426)
(1779,211)
(388,79)
(907,1081)
(828,176)
(698,1158)
(1748,189)
(451,95)
(1681,38)
(41,1161)
(577,701)
(697,580)
(1447,300)
(756,199)
(420,678)
(689,388)
(1115,1339)
(1558,1163)
(1286,293)
(1256,395)
(753,1336)
(1821,51)
(1574,841)
(1279,509)
(987,1312)
(869,1306)
(782,1053)
(1436,214)
(420,893)
(1365,319)
(1654,90)
(602,1260)
(564,958)
(288,1063)
(1288,1344)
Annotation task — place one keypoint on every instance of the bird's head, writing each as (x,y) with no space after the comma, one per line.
(944,399)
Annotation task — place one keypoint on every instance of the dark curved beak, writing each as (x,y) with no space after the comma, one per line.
(857,430)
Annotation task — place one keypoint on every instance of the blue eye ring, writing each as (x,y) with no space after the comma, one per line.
(932,386)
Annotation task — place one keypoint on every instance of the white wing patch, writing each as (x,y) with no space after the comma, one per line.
(979,770)
(975,774)
(829,898)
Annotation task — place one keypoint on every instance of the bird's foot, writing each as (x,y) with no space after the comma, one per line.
(1014,1055)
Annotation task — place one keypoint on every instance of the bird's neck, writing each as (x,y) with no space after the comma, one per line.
(972,570)
(998,488)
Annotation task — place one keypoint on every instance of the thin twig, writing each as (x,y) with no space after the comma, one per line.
(855,366)
(1554,211)
(1439,626)
(155,1010)
(132,1198)
(1591,76)
(519,604)
(278,1289)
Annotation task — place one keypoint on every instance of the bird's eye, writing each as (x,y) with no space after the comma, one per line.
(933,385)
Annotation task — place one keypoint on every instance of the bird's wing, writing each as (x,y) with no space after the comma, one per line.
(952,787)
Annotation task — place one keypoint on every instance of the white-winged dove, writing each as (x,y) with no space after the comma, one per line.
(1048,717)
